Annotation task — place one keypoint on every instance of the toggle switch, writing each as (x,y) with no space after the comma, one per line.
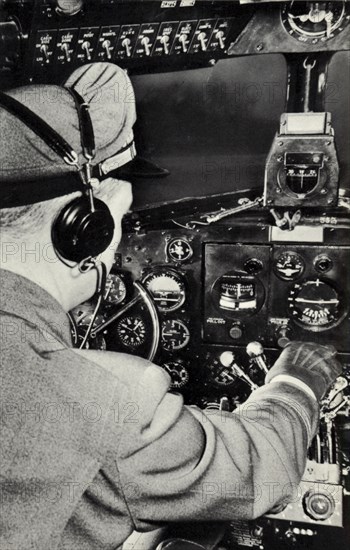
(127,46)
(86,47)
(220,37)
(45,51)
(202,38)
(106,45)
(165,42)
(146,43)
(184,42)
(65,49)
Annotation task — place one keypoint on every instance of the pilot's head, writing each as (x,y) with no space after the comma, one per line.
(51,217)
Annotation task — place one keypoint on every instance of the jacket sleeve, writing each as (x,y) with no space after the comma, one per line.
(179,463)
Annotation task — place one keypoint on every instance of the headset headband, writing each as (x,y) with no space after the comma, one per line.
(28,192)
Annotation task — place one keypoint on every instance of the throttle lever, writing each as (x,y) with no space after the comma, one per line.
(227,359)
(338,386)
(256,353)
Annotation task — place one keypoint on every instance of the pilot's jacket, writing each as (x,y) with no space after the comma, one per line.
(93,445)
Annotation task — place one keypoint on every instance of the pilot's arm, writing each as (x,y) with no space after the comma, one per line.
(177,463)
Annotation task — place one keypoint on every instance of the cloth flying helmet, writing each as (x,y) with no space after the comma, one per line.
(30,171)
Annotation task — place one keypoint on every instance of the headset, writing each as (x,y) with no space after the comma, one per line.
(84,228)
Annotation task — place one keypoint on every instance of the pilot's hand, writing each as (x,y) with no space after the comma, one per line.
(313,364)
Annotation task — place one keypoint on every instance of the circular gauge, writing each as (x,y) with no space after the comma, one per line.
(220,375)
(179,250)
(79,328)
(166,287)
(83,313)
(178,372)
(238,294)
(310,22)
(115,291)
(289,266)
(175,334)
(131,331)
(314,305)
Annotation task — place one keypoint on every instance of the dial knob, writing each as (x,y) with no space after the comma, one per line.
(323,264)
(319,505)
(69,7)
(236,331)
(283,334)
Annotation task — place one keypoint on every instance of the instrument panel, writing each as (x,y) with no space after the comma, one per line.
(216,293)
(45,40)
(229,298)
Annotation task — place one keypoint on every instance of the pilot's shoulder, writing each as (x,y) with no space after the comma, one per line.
(131,370)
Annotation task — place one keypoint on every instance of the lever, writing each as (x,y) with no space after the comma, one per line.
(165,41)
(227,359)
(127,45)
(65,49)
(256,353)
(106,44)
(86,47)
(221,39)
(184,42)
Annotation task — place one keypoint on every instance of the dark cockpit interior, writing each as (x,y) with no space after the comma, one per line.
(239,242)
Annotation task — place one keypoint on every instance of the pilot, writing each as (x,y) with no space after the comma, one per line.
(93,444)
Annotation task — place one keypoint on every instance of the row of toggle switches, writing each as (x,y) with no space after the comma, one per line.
(108,43)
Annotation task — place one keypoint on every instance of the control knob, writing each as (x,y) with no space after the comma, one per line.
(227,359)
(283,334)
(236,331)
(256,352)
(318,505)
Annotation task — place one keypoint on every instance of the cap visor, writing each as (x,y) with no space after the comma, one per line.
(139,167)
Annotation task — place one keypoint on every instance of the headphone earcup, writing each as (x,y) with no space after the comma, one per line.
(78,233)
